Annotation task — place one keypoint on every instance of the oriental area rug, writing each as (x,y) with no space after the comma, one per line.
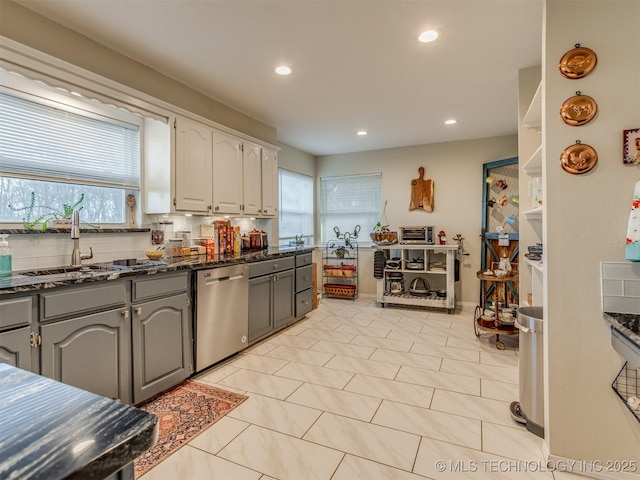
(183,413)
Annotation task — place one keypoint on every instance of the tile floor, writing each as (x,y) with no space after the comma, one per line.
(354,391)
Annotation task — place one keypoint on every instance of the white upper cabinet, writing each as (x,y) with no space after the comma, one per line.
(219,173)
(252,165)
(269,183)
(227,174)
(193,172)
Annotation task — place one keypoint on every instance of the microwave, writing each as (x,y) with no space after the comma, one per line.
(416,235)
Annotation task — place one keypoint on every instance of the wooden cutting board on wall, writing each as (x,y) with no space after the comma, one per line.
(421,193)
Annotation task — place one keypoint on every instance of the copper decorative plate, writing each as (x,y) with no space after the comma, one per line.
(578,62)
(578,158)
(578,110)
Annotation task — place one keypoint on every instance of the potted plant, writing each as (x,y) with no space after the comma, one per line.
(341,252)
(52,217)
(298,242)
(381,234)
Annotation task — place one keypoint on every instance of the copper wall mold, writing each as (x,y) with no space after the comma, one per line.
(578,158)
(577,62)
(578,110)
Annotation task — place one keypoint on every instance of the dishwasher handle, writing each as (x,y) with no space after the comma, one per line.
(228,278)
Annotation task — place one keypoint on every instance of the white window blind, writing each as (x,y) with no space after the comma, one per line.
(41,141)
(349,201)
(296,206)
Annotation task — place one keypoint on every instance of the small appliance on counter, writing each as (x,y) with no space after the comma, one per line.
(422,235)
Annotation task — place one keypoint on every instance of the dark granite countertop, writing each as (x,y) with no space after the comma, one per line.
(49,430)
(627,324)
(56,277)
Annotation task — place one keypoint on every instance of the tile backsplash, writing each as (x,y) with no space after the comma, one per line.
(620,287)
(35,251)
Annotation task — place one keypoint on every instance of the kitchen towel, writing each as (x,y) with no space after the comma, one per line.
(379,260)
(633,231)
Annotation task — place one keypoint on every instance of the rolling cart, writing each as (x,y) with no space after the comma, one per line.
(496,319)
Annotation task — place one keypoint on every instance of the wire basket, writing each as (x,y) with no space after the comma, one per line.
(627,386)
(339,290)
(339,270)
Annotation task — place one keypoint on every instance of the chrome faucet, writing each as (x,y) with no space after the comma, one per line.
(76,256)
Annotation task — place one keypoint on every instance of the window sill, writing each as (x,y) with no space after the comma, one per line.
(66,231)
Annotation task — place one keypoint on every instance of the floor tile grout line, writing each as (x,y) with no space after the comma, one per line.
(222,458)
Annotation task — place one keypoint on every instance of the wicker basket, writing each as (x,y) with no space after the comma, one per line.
(339,290)
(339,270)
(384,238)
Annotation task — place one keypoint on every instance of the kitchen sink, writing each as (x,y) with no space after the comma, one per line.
(68,272)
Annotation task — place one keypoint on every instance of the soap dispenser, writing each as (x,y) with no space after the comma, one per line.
(5,256)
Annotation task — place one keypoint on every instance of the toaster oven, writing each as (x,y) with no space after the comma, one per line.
(416,235)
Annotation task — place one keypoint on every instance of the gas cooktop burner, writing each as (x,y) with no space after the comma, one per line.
(132,265)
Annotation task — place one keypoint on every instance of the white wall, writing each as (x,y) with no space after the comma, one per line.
(585,223)
(456,170)
(295,160)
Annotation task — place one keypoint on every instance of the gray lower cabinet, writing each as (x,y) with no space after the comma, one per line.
(92,352)
(122,339)
(260,298)
(161,345)
(16,317)
(304,279)
(15,348)
(283,302)
(271,296)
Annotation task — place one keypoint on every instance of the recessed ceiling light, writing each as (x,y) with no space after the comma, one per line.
(362,133)
(428,36)
(283,70)
(450,122)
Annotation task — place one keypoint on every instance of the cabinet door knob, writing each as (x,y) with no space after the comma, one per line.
(125,313)
(139,310)
(217,208)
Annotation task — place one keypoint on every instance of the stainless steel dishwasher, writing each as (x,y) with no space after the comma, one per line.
(222,313)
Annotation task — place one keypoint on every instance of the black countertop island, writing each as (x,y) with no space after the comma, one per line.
(49,430)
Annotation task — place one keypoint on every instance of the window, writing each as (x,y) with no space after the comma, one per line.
(60,149)
(296,206)
(350,201)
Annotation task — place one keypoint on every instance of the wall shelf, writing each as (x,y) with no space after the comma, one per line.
(536,265)
(533,214)
(533,166)
(533,117)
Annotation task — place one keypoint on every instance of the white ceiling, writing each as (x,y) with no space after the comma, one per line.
(357,63)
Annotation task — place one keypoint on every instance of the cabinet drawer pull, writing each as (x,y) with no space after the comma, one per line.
(275,265)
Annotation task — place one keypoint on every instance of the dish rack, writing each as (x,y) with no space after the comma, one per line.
(627,385)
